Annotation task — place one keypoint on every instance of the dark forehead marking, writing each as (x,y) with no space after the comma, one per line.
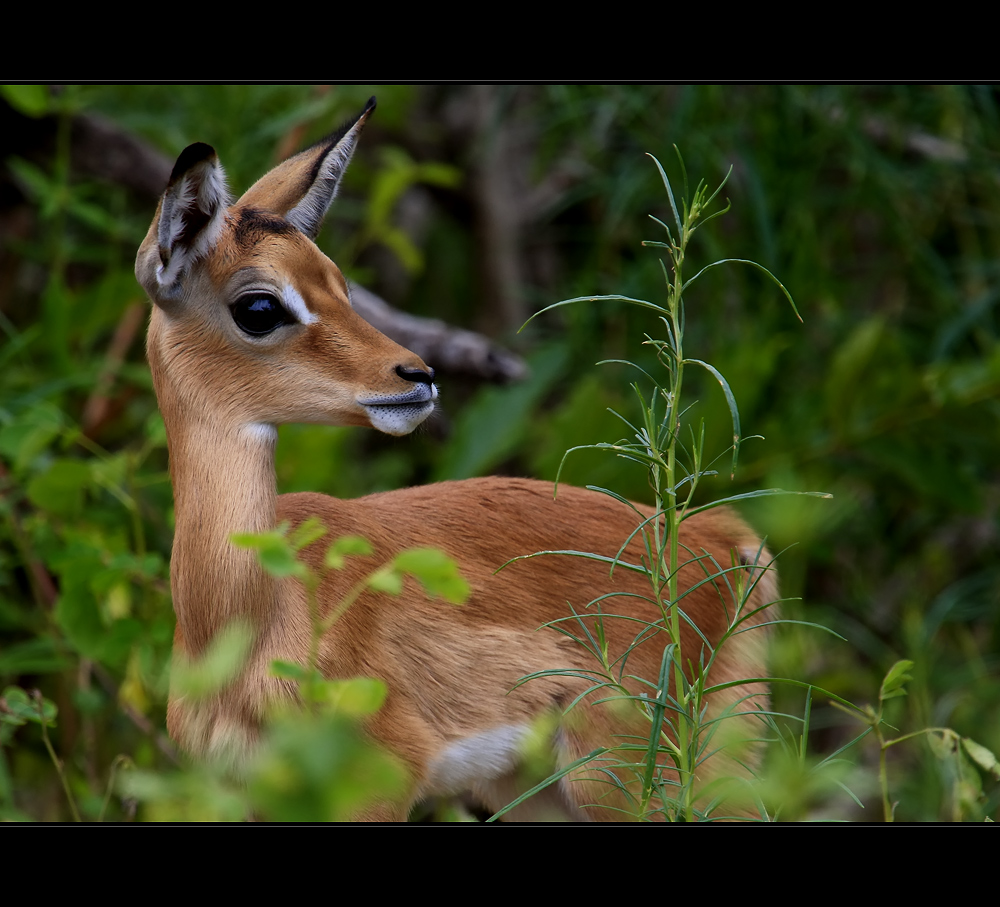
(254,225)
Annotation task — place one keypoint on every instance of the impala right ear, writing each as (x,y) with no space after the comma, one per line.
(303,187)
(188,221)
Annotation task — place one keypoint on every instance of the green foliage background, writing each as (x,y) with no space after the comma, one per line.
(878,207)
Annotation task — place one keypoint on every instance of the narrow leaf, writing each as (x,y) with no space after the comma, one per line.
(760,493)
(615,298)
(670,192)
(562,773)
(733,409)
(745,261)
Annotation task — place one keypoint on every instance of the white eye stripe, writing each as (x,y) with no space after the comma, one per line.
(297,306)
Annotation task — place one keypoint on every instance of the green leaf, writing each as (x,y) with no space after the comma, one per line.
(731,402)
(983,757)
(760,493)
(943,745)
(386,580)
(156,431)
(670,192)
(280,560)
(346,546)
(321,770)
(222,661)
(437,573)
(398,173)
(277,555)
(31,100)
(895,680)
(745,261)
(94,216)
(288,670)
(306,533)
(17,707)
(552,779)
(357,697)
(613,298)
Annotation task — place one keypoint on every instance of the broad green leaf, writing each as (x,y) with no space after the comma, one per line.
(357,696)
(437,573)
(31,100)
(321,769)
(398,173)
(279,560)
(983,757)
(306,533)
(18,707)
(943,745)
(288,670)
(276,553)
(346,546)
(15,707)
(386,580)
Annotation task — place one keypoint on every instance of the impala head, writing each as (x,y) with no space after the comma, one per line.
(252,325)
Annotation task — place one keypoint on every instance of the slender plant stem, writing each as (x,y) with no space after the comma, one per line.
(57,762)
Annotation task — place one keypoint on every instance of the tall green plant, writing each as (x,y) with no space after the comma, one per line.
(682,733)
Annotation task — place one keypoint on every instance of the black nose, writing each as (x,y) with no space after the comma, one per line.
(415,374)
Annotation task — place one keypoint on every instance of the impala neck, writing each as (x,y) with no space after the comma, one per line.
(224,482)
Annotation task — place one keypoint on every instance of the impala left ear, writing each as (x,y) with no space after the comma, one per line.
(188,222)
(302,188)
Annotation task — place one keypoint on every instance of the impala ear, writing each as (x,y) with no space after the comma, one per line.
(188,221)
(302,188)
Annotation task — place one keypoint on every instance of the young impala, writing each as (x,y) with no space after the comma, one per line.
(252,326)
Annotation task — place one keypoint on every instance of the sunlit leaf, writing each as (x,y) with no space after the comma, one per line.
(437,573)
(896,678)
(346,546)
(217,666)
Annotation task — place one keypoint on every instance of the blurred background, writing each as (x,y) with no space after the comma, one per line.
(877,207)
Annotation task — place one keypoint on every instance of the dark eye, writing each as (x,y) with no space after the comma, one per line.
(260,313)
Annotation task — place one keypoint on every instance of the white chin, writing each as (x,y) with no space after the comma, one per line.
(399,419)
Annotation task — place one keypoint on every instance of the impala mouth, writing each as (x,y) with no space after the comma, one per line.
(399,414)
